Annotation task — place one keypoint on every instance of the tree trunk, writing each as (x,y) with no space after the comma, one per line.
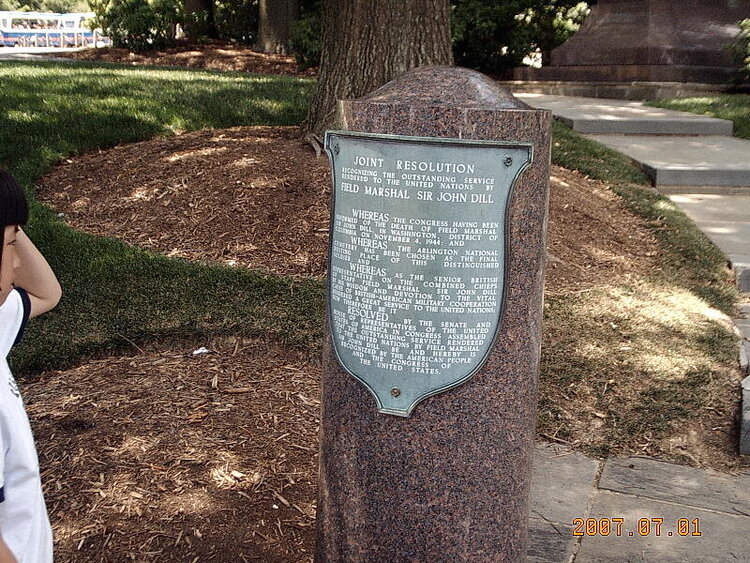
(275,25)
(208,27)
(367,43)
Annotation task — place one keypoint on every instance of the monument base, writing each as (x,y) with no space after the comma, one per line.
(451,482)
(649,40)
(629,73)
(620,90)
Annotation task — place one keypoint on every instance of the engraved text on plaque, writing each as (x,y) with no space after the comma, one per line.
(417,259)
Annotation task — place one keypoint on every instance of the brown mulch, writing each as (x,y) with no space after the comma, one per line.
(252,196)
(211,55)
(258,197)
(171,456)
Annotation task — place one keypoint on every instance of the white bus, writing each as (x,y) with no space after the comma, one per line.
(45,29)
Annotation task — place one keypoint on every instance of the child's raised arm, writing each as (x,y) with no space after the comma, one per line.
(35,276)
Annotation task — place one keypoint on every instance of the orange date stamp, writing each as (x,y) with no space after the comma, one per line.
(644,527)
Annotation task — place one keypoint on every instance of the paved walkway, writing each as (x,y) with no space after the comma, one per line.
(706,172)
(636,509)
(34,53)
(674,148)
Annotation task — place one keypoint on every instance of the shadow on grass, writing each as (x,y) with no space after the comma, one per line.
(734,107)
(689,259)
(636,368)
(53,111)
(113,293)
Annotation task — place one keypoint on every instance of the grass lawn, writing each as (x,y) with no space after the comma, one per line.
(691,260)
(735,107)
(116,295)
(636,362)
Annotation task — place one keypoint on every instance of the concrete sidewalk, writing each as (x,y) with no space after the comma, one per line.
(36,53)
(706,175)
(636,509)
(602,116)
(725,219)
(674,148)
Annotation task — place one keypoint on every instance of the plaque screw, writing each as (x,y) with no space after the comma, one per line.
(508,161)
(336,148)
(395,391)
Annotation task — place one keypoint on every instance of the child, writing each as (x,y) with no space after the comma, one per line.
(28,288)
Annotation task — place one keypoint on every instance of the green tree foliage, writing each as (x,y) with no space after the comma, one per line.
(58,6)
(545,25)
(485,33)
(237,20)
(100,8)
(307,34)
(495,35)
(740,51)
(151,24)
(488,35)
(141,24)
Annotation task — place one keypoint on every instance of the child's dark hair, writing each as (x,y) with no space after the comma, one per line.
(14,209)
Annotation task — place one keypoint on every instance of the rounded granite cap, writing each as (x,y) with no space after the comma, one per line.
(445,85)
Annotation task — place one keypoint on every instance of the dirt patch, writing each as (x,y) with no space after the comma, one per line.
(258,197)
(211,55)
(171,456)
(592,239)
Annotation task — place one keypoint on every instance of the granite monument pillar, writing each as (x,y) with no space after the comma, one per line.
(431,358)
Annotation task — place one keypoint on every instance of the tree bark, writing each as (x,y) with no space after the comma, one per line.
(275,25)
(367,43)
(197,6)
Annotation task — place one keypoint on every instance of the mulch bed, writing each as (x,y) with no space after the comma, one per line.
(258,197)
(250,196)
(173,456)
(210,55)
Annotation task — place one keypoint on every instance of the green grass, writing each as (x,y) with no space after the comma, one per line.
(690,259)
(576,152)
(51,110)
(642,367)
(626,364)
(114,293)
(734,107)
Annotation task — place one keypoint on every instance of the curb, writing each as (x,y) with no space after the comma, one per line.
(741,266)
(743,328)
(745,421)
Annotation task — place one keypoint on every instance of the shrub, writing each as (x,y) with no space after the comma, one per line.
(496,35)
(740,51)
(138,24)
(307,42)
(197,25)
(237,20)
(483,34)
(307,35)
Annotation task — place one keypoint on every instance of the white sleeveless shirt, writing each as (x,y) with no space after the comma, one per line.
(24,524)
